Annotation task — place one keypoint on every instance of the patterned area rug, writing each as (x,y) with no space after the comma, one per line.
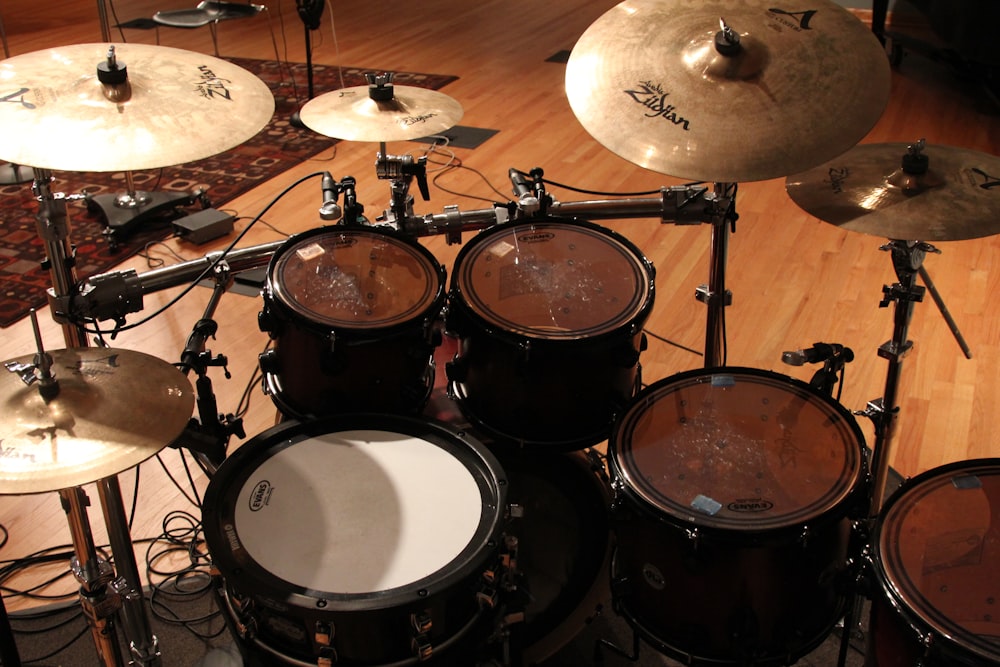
(273,150)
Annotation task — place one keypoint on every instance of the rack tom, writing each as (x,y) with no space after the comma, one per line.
(353,313)
(549,316)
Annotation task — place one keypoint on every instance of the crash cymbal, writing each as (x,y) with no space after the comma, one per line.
(659,83)
(351,114)
(114,409)
(906,192)
(177,106)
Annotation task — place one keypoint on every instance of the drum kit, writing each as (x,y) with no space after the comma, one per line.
(737,515)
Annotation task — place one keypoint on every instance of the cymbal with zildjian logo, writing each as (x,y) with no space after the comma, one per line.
(128,107)
(101,412)
(726,92)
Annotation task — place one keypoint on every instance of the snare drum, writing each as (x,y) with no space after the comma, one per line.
(936,553)
(353,312)
(549,316)
(361,539)
(735,492)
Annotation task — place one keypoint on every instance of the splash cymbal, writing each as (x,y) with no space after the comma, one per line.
(177,106)
(906,192)
(351,114)
(721,91)
(114,409)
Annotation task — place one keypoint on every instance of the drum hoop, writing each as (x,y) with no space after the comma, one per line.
(251,577)
(905,598)
(463,292)
(644,494)
(429,301)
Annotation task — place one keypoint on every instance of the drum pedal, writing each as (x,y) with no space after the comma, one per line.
(204,225)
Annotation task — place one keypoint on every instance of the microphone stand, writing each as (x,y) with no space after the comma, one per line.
(208,439)
(311,12)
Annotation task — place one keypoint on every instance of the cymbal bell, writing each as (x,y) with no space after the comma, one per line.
(906,192)
(721,91)
(174,106)
(114,409)
(351,114)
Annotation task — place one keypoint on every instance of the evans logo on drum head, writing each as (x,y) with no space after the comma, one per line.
(750,505)
(536,237)
(260,495)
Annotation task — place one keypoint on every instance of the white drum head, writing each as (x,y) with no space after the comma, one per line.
(357,511)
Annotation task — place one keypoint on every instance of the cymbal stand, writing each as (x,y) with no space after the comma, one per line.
(907,260)
(714,295)
(53,228)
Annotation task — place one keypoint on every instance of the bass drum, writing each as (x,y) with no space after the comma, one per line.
(735,492)
(354,314)
(936,559)
(364,540)
(564,548)
(549,316)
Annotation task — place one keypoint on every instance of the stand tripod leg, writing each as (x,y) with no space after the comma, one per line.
(98,603)
(939,302)
(143,645)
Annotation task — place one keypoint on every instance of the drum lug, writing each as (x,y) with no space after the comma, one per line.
(268,361)
(266,323)
(422,648)
(324,633)
(694,539)
(421,622)
(457,369)
(805,536)
(327,657)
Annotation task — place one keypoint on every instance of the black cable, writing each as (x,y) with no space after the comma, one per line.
(643,193)
(206,272)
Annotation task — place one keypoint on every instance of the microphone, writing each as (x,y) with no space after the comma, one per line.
(526,198)
(817,353)
(329,210)
(311,12)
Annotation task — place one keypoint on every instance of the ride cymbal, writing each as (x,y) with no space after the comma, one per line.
(906,192)
(113,410)
(149,107)
(722,91)
(352,114)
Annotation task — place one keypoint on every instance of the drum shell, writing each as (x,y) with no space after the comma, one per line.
(760,593)
(532,390)
(375,627)
(317,368)
(907,625)
(702,598)
(564,548)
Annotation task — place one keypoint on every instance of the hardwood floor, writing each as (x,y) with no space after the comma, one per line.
(795,280)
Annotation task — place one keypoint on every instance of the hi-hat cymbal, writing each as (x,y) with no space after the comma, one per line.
(114,409)
(803,84)
(178,106)
(351,114)
(868,190)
